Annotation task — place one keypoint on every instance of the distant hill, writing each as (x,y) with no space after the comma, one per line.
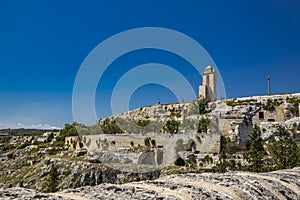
(22,131)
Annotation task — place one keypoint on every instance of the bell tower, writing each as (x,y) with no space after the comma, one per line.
(208,89)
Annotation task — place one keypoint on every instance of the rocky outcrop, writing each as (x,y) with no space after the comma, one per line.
(270,129)
(281,185)
(65,173)
(23,193)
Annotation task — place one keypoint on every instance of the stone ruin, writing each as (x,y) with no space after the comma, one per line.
(232,118)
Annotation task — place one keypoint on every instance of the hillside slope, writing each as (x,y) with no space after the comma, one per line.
(282,184)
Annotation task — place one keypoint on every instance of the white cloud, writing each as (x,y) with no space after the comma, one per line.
(27,126)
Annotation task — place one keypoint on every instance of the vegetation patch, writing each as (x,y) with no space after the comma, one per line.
(199,107)
(295,106)
(235,102)
(171,126)
(270,105)
(203,125)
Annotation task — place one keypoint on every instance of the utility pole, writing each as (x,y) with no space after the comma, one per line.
(269,85)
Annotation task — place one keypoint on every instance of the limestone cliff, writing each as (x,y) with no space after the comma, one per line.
(281,185)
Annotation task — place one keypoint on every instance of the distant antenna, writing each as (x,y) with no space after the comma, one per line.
(269,85)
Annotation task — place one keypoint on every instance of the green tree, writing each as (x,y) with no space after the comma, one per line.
(222,164)
(255,156)
(50,137)
(171,126)
(199,107)
(111,128)
(202,105)
(226,145)
(203,125)
(53,182)
(69,130)
(283,151)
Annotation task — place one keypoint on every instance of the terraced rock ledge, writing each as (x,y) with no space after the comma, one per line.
(283,184)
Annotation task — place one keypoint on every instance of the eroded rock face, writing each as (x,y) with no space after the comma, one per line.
(22,193)
(282,184)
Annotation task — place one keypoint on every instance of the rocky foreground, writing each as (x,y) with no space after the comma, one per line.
(282,184)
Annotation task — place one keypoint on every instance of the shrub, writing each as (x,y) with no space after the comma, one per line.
(25,144)
(143,123)
(171,126)
(67,172)
(34,150)
(53,179)
(203,125)
(234,102)
(199,107)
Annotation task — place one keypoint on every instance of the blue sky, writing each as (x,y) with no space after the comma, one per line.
(43,43)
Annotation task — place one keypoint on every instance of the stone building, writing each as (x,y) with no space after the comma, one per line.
(208,89)
(73,142)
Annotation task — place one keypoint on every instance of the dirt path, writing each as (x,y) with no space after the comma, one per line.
(209,186)
(287,172)
(290,186)
(69,196)
(162,190)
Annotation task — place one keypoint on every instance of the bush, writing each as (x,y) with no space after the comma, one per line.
(203,125)
(69,130)
(67,172)
(143,122)
(111,128)
(50,137)
(34,150)
(270,105)
(6,147)
(234,102)
(25,144)
(295,106)
(226,145)
(53,179)
(199,107)
(171,126)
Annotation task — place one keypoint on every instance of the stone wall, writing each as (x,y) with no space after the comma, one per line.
(72,142)
(169,143)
